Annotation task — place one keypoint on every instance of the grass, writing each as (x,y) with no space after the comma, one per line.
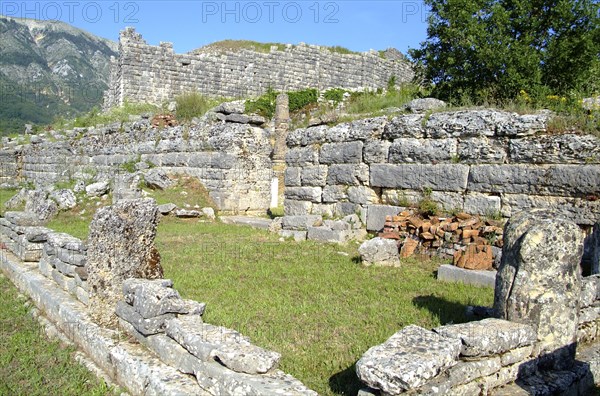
(96,117)
(187,191)
(311,302)
(194,104)
(238,45)
(32,365)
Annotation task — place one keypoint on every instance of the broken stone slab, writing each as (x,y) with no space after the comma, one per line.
(376,215)
(145,326)
(23,218)
(187,214)
(158,179)
(235,107)
(489,336)
(71,257)
(407,360)
(423,105)
(297,235)
(167,208)
(64,198)
(590,290)
(150,298)
(37,234)
(65,241)
(120,246)
(326,234)
(229,347)
(97,189)
(379,251)
(216,378)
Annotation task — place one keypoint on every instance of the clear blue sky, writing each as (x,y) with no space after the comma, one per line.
(359,25)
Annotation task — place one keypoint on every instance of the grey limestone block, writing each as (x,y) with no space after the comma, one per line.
(405,126)
(590,290)
(380,252)
(314,176)
(151,298)
(296,208)
(407,360)
(341,153)
(376,215)
(301,223)
(423,151)
(441,177)
(311,194)
(348,174)
(326,234)
(36,234)
(376,151)
(23,218)
(482,150)
(555,149)
(292,176)
(489,336)
(145,326)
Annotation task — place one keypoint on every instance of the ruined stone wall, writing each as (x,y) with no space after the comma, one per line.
(154,74)
(483,162)
(232,160)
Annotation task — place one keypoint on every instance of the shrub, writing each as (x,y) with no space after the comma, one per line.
(192,105)
(300,99)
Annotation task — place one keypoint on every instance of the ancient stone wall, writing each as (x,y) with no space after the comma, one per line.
(231,159)
(155,74)
(482,162)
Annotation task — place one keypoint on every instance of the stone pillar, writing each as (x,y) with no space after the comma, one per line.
(539,281)
(282,124)
(120,246)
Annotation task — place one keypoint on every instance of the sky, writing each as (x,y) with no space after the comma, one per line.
(359,25)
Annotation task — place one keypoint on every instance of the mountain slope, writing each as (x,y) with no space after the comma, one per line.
(49,69)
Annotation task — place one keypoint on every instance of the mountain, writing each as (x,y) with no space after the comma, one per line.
(49,69)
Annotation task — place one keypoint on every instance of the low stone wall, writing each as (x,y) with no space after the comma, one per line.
(231,159)
(209,360)
(484,162)
(544,312)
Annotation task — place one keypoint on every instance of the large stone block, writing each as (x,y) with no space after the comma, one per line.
(578,210)
(301,156)
(404,126)
(482,150)
(314,176)
(120,246)
(310,194)
(348,174)
(341,153)
(539,281)
(407,360)
(476,203)
(441,177)
(362,195)
(292,176)
(300,223)
(335,193)
(422,151)
(556,149)
(563,180)
(380,252)
(376,215)
(376,151)
(296,208)
(489,336)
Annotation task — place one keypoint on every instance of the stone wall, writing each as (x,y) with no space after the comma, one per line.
(194,358)
(155,74)
(484,162)
(231,159)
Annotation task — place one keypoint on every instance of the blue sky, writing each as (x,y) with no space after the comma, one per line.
(359,25)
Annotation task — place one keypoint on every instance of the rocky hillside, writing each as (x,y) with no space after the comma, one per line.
(49,69)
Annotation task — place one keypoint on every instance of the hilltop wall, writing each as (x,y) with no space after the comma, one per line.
(155,74)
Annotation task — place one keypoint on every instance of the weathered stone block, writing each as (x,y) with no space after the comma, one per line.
(441,177)
(301,223)
(423,151)
(23,218)
(465,372)
(482,150)
(341,153)
(380,252)
(539,282)
(376,151)
(301,156)
(590,290)
(407,360)
(326,234)
(580,211)
(376,215)
(292,176)
(314,176)
(296,208)
(556,149)
(403,126)
(481,204)
(151,298)
(566,180)
(120,246)
(311,194)
(362,195)
(145,326)
(489,336)
(346,174)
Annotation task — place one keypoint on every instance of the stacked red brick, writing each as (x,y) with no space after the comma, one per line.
(469,239)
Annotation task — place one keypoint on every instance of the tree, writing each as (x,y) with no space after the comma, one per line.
(480,50)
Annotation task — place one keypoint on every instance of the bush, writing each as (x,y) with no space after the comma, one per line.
(192,105)
(263,105)
(336,95)
(300,99)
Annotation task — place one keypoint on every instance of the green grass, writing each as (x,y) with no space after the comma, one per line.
(32,365)
(96,117)
(238,45)
(316,306)
(372,103)
(194,104)
(5,195)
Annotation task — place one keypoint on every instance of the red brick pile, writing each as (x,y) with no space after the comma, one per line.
(164,120)
(468,239)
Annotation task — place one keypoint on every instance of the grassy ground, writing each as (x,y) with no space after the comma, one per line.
(311,302)
(32,365)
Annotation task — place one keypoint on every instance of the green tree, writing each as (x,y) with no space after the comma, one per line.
(479,50)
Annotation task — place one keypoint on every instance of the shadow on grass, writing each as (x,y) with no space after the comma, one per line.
(346,382)
(446,311)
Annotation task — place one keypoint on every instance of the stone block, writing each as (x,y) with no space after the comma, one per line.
(311,194)
(301,223)
(167,208)
(292,176)
(341,153)
(489,337)
(145,326)
(451,273)
(423,151)
(23,218)
(71,257)
(516,355)
(376,215)
(466,123)
(482,150)
(376,151)
(326,234)
(296,208)
(590,290)
(407,360)
(348,174)
(404,126)
(577,210)
(297,235)
(539,281)
(562,180)
(465,372)
(362,195)
(380,252)
(555,149)
(301,156)
(324,210)
(314,176)
(36,234)
(151,298)
(441,177)
(481,204)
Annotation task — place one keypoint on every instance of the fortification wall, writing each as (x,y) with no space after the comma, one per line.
(155,74)
(231,160)
(483,162)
